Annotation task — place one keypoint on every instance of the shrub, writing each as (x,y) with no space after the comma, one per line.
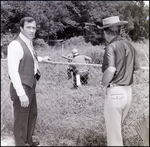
(5,40)
(40,44)
(76,41)
(97,56)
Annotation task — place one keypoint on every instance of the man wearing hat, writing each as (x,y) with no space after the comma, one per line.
(81,70)
(119,64)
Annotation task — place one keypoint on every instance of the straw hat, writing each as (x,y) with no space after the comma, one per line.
(75,52)
(112,21)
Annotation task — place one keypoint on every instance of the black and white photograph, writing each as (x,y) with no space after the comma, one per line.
(75,73)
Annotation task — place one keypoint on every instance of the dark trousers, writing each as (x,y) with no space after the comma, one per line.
(69,70)
(24,117)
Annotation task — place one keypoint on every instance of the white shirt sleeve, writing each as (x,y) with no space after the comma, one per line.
(39,59)
(15,54)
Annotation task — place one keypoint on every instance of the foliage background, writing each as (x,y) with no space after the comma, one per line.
(65,19)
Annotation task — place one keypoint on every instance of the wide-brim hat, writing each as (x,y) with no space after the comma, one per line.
(112,21)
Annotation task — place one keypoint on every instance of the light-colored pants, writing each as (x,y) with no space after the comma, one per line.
(116,107)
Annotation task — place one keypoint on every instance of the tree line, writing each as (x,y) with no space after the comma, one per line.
(66,19)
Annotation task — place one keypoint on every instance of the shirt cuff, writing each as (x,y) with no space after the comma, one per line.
(40,59)
(20,92)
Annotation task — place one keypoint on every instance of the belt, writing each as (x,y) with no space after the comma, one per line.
(115,85)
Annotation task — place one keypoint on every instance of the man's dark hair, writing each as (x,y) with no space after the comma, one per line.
(113,30)
(26,19)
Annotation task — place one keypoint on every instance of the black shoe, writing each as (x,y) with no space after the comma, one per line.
(85,83)
(34,143)
(69,78)
(74,87)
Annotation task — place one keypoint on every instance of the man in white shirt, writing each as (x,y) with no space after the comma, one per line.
(24,72)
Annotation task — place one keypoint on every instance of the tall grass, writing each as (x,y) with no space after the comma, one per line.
(68,117)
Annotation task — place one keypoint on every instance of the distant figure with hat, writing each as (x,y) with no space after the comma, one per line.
(78,70)
(119,64)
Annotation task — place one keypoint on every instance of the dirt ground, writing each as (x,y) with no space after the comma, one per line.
(7,141)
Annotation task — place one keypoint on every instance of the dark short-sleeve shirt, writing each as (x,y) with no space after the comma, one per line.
(121,55)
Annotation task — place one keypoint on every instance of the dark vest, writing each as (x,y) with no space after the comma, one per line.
(26,66)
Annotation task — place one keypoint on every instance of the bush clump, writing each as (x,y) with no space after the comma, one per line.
(97,57)
(5,40)
(73,41)
(40,44)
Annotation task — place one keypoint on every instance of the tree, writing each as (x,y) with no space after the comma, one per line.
(139,15)
(65,19)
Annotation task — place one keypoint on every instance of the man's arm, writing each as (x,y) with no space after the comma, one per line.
(110,71)
(108,75)
(89,59)
(68,57)
(65,57)
(44,59)
(15,54)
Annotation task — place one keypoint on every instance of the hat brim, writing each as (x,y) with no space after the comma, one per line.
(75,54)
(114,24)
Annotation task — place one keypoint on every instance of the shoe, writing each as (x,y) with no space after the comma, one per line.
(85,83)
(34,143)
(69,78)
(74,87)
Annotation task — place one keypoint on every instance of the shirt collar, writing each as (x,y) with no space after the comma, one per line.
(115,39)
(25,39)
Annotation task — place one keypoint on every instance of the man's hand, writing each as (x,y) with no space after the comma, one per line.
(24,100)
(108,75)
(46,59)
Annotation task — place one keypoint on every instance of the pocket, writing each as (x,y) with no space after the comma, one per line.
(117,96)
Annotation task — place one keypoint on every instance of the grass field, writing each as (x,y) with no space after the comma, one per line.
(68,117)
